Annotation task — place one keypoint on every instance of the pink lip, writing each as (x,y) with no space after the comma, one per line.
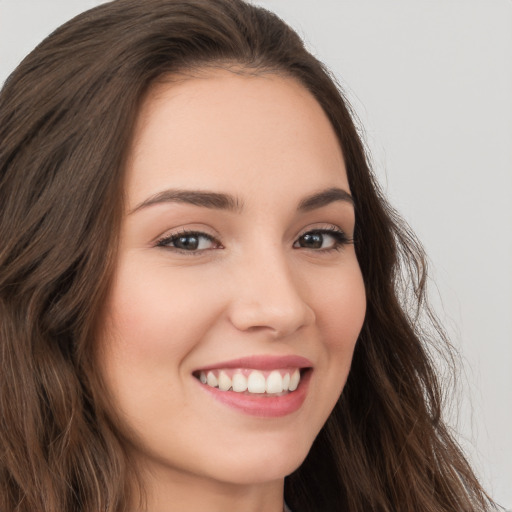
(263,406)
(269,407)
(262,363)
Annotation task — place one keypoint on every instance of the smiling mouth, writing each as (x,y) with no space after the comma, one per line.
(248,381)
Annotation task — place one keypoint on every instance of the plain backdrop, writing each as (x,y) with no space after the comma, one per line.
(431,82)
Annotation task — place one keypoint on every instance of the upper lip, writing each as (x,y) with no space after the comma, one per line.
(262,362)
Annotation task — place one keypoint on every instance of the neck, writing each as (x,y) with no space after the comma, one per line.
(171,491)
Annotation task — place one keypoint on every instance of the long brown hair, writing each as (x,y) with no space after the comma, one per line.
(66,115)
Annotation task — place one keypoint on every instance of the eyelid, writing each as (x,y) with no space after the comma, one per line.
(181,232)
(336,232)
(187,229)
(324,228)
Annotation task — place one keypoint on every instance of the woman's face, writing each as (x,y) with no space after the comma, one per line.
(235,269)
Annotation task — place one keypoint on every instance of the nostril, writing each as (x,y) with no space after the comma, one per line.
(282,322)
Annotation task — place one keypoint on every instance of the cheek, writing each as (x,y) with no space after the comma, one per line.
(340,305)
(340,311)
(153,313)
(151,324)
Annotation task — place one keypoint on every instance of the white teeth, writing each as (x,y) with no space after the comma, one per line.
(286,382)
(274,383)
(256,382)
(239,383)
(224,381)
(294,380)
(253,381)
(212,380)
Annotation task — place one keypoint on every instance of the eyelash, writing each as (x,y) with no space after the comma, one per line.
(168,240)
(339,236)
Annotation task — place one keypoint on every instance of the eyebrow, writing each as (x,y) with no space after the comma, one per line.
(220,201)
(324,198)
(213,200)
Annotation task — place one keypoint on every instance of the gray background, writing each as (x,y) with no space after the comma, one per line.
(431,82)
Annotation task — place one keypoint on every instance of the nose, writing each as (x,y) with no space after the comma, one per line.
(268,296)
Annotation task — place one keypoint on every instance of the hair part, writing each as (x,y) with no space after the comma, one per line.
(66,119)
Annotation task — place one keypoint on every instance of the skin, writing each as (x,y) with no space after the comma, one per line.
(256,290)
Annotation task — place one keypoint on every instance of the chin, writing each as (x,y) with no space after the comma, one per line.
(262,463)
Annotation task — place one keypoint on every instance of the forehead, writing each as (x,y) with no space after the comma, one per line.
(232,132)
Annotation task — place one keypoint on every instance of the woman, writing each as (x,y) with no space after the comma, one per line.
(200,281)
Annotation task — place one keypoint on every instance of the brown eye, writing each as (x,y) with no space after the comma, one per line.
(312,240)
(325,239)
(189,242)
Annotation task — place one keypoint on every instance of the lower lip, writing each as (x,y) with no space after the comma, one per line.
(264,406)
